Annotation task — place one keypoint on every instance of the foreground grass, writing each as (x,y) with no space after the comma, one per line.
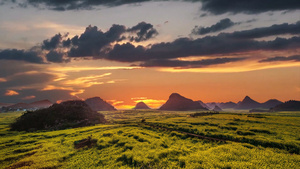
(127,143)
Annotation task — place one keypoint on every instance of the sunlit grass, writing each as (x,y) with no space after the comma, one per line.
(125,142)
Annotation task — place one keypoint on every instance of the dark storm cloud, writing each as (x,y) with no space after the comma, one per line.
(63,5)
(221,25)
(248,6)
(15,54)
(295,58)
(209,45)
(52,43)
(93,40)
(281,29)
(212,6)
(144,32)
(56,57)
(189,64)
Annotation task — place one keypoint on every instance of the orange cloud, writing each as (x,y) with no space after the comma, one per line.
(86,81)
(28,97)
(51,87)
(74,93)
(11,93)
(114,102)
(3,80)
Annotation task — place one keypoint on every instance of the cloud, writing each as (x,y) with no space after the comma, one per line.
(209,45)
(280,29)
(144,32)
(87,81)
(189,64)
(56,57)
(246,6)
(52,43)
(28,97)
(94,42)
(212,6)
(63,5)
(27,80)
(221,25)
(11,93)
(295,58)
(22,55)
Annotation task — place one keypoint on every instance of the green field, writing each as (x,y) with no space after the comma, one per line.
(270,140)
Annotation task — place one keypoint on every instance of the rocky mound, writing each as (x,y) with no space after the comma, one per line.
(217,108)
(141,105)
(97,104)
(248,103)
(176,102)
(291,105)
(67,114)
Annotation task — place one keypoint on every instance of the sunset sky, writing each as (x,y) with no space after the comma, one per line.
(126,51)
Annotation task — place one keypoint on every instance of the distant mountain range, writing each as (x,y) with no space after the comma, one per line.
(176,102)
(246,103)
(27,106)
(141,105)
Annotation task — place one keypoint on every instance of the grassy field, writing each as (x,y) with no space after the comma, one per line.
(270,140)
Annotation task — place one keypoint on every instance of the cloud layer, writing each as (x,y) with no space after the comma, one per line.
(221,25)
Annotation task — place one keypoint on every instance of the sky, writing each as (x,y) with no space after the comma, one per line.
(126,51)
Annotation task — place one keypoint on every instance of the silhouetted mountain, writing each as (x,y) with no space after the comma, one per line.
(248,103)
(271,103)
(291,105)
(217,108)
(97,104)
(141,105)
(203,104)
(58,116)
(177,102)
(227,105)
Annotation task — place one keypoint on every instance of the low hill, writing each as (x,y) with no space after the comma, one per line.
(248,103)
(291,105)
(67,114)
(141,105)
(176,102)
(271,103)
(97,104)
